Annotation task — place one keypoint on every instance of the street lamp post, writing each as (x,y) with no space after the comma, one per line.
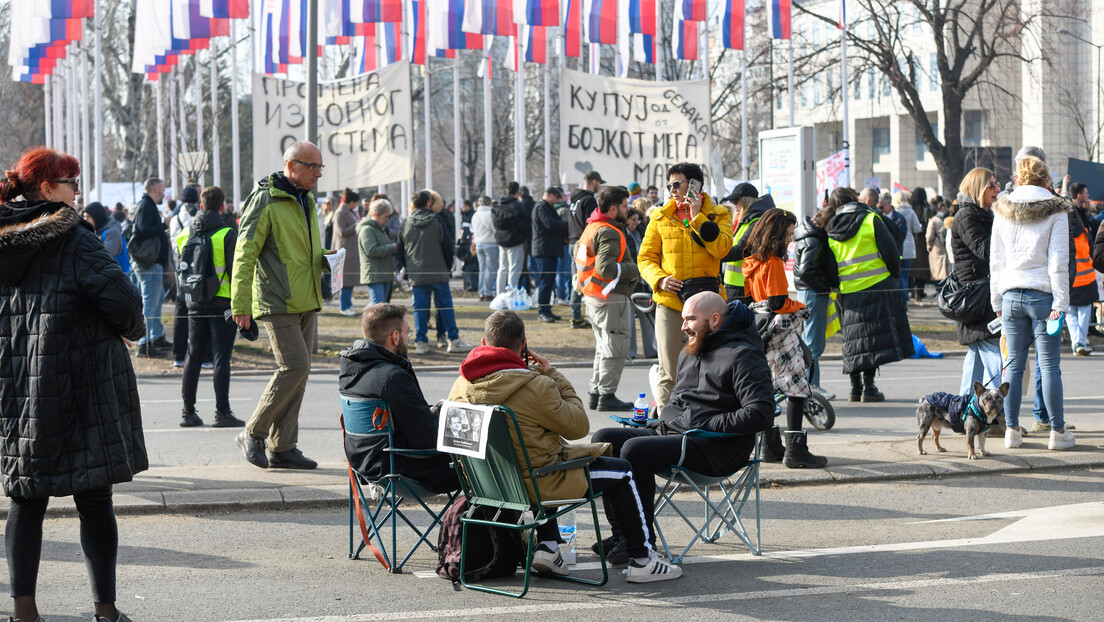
(1099,47)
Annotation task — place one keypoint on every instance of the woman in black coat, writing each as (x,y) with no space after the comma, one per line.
(70,421)
(970,234)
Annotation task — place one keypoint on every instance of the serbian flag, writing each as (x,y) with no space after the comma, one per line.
(63,9)
(331,22)
(693,10)
(684,40)
(779,19)
(537,12)
(489,17)
(644,48)
(732,25)
(444,27)
(601,21)
(372,11)
(364,50)
(899,188)
(534,41)
(224,9)
(573,28)
(418,32)
(639,16)
(390,38)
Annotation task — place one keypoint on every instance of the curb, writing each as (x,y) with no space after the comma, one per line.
(336,496)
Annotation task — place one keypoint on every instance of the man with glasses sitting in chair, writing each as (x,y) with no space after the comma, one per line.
(376,367)
(504,371)
(722,384)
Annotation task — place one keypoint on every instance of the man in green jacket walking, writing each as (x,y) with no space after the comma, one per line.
(278,280)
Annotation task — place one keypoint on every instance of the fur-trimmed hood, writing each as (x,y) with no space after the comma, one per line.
(1030,204)
(28,227)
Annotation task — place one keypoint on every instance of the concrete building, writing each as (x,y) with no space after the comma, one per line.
(1052,102)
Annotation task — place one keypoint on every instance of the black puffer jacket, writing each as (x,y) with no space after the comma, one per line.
(549,231)
(511,222)
(814,265)
(149,224)
(370,371)
(970,234)
(70,420)
(873,321)
(726,388)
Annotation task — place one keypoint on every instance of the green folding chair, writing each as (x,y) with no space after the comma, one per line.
(498,482)
(366,425)
(736,490)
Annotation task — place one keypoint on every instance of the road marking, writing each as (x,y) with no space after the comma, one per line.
(207,399)
(612,601)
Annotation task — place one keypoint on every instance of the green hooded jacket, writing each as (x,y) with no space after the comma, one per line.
(278,260)
(377,254)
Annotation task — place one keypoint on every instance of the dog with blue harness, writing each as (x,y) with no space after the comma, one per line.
(969,414)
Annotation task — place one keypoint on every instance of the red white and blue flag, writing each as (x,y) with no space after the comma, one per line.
(63,9)
(573,28)
(365,53)
(225,9)
(444,27)
(418,32)
(843,15)
(685,39)
(36,42)
(489,17)
(637,24)
(732,25)
(693,10)
(390,38)
(601,20)
(639,16)
(537,12)
(374,11)
(535,44)
(778,17)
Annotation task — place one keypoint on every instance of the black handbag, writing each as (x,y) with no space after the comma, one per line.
(144,252)
(698,285)
(964,302)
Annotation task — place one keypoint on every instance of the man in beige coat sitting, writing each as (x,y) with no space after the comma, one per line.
(504,371)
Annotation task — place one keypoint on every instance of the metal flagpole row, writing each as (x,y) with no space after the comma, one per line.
(86,148)
(157,88)
(547,110)
(48,113)
(745,159)
(176,131)
(488,132)
(98,101)
(216,161)
(197,83)
(456,181)
(181,130)
(844,93)
(235,142)
(425,127)
(790,80)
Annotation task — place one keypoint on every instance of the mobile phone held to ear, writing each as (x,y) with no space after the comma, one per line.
(694,189)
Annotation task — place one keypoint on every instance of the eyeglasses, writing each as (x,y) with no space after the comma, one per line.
(74,183)
(674,185)
(994,185)
(409,332)
(317,168)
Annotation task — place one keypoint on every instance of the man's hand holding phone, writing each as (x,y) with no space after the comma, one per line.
(539,361)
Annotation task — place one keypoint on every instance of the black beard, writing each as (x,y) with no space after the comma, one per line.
(695,344)
(402,350)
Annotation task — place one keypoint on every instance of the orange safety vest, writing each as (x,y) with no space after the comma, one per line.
(1084,273)
(589,282)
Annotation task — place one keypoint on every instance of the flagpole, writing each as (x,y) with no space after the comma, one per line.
(519,116)
(488,132)
(312,71)
(48,113)
(547,110)
(71,102)
(59,102)
(197,80)
(425,128)
(84,129)
(216,161)
(456,182)
(98,101)
(595,59)
(160,127)
(790,80)
(844,94)
(179,136)
(181,126)
(235,139)
(745,159)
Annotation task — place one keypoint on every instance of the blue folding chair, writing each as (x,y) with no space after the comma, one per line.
(367,423)
(721,516)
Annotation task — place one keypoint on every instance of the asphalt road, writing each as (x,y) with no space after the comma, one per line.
(1004,547)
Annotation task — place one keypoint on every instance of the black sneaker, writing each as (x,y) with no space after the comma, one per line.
(607,544)
(162,343)
(227,420)
(253,449)
(593,403)
(190,419)
(547,318)
(610,403)
(148,350)
(290,459)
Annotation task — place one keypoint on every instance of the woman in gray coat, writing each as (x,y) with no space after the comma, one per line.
(345,236)
(377,251)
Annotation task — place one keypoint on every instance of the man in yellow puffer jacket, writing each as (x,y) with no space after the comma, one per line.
(686,239)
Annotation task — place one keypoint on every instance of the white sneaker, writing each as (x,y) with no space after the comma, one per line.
(655,570)
(1013,438)
(350,312)
(421,347)
(547,561)
(828,395)
(458,346)
(1061,441)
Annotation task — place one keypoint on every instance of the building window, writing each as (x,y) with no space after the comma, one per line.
(816,90)
(921,148)
(971,128)
(778,99)
(870,83)
(804,91)
(879,143)
(934,68)
(831,88)
(885,85)
(857,80)
(917,73)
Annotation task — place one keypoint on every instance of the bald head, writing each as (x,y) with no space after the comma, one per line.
(299,149)
(705,305)
(303,164)
(869,196)
(702,314)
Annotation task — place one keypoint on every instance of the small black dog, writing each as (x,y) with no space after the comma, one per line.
(969,414)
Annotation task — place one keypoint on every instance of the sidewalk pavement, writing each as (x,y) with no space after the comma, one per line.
(853,458)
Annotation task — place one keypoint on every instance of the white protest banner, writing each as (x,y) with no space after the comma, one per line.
(364,127)
(632,130)
(831,173)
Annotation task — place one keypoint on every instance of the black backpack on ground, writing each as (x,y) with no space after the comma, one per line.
(195,272)
(493,552)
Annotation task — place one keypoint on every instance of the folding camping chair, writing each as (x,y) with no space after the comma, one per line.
(367,422)
(498,482)
(726,511)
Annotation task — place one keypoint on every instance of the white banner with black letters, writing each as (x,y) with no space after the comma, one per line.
(632,130)
(364,127)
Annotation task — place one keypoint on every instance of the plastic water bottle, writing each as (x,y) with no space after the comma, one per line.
(567,533)
(640,408)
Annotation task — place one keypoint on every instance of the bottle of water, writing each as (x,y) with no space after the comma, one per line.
(640,408)
(567,533)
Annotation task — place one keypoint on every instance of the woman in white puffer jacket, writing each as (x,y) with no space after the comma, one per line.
(1029,284)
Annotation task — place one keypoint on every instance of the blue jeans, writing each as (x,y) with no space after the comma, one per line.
(1025,312)
(563,274)
(487,255)
(982,364)
(377,292)
(346,298)
(815,326)
(906,269)
(443,299)
(545,274)
(153,295)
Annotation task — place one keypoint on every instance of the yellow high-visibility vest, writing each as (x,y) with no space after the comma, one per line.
(859,262)
(218,246)
(734,270)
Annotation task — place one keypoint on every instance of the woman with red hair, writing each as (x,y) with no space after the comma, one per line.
(70,422)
